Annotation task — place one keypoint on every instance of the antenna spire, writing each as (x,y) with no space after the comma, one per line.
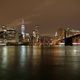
(22,21)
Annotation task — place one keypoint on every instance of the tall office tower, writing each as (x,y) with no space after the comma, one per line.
(23,28)
(36,35)
(56,34)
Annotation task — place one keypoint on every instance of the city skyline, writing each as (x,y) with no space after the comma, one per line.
(49,14)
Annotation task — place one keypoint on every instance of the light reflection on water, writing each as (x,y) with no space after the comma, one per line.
(36,55)
(4,57)
(38,63)
(22,55)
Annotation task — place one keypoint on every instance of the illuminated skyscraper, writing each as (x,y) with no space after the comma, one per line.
(56,34)
(23,28)
(36,35)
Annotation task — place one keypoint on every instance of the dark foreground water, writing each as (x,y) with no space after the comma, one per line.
(39,63)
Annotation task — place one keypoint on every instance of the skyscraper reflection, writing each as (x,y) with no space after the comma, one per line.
(23,54)
(36,55)
(4,57)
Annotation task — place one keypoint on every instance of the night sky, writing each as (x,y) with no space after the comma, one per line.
(48,14)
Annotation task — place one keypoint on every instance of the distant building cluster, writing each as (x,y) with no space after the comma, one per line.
(13,36)
(19,36)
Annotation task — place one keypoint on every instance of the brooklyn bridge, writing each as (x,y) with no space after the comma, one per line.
(68,36)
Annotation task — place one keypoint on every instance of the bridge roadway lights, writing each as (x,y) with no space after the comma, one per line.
(68,41)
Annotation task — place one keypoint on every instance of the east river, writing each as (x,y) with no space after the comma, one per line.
(39,63)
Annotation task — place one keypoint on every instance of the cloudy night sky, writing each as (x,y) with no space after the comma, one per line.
(48,14)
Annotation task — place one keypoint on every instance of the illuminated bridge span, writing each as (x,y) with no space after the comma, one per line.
(72,39)
(68,36)
(69,40)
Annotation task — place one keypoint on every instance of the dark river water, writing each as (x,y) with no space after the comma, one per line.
(39,63)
